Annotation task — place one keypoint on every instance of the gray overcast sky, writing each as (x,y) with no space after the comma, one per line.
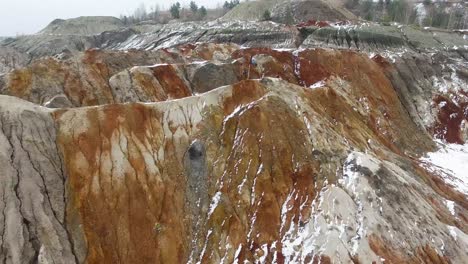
(30,16)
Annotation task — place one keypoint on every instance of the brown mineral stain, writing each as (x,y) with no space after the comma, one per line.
(243,93)
(120,215)
(131,201)
(271,168)
(91,56)
(283,57)
(151,89)
(283,68)
(332,107)
(207,51)
(310,72)
(423,254)
(321,260)
(20,83)
(382,62)
(171,82)
(387,117)
(382,249)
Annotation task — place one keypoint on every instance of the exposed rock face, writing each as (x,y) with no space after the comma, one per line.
(434,95)
(154,37)
(373,37)
(34,219)
(83,79)
(222,153)
(362,36)
(219,75)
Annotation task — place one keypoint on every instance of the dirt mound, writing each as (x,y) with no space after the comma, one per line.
(83,25)
(284,11)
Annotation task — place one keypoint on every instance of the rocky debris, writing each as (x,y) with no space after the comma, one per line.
(197,197)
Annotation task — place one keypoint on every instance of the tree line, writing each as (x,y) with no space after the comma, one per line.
(438,13)
(176,8)
(192,12)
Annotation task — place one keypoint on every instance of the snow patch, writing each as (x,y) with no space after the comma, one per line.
(214,203)
(342,217)
(450,206)
(334,231)
(317,84)
(458,235)
(450,162)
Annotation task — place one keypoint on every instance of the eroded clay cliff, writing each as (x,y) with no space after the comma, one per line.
(217,153)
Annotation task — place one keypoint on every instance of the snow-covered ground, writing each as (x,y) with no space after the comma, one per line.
(451,161)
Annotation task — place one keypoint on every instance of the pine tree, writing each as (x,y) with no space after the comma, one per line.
(399,11)
(266,15)
(367,9)
(202,11)
(380,5)
(175,10)
(193,7)
(231,4)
